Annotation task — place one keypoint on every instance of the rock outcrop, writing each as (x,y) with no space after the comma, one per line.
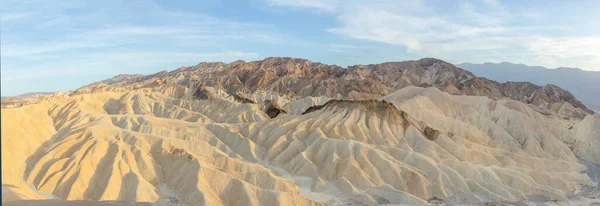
(301,78)
(202,93)
(241,99)
(271,108)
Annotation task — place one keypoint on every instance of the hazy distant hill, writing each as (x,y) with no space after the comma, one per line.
(22,99)
(583,84)
(27,95)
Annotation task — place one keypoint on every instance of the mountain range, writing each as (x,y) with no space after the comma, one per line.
(287,131)
(22,99)
(583,84)
(300,77)
(27,95)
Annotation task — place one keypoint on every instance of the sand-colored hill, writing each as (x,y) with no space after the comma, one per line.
(587,138)
(166,145)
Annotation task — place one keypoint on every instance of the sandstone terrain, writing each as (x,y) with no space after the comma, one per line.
(286,131)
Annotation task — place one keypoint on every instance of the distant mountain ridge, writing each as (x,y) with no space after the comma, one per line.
(22,99)
(295,77)
(27,95)
(583,84)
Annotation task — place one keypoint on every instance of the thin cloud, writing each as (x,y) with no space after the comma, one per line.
(485,29)
(12,50)
(113,61)
(326,5)
(6,17)
(54,45)
(200,28)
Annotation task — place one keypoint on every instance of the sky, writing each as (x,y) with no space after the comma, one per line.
(62,45)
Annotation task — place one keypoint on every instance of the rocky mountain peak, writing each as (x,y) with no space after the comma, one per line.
(300,78)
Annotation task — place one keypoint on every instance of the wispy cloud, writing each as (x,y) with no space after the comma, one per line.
(87,38)
(123,35)
(486,28)
(498,16)
(97,28)
(19,50)
(112,62)
(177,57)
(56,42)
(4,17)
(322,5)
(83,69)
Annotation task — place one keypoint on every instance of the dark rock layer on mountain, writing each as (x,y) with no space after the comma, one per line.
(202,93)
(271,108)
(300,77)
(241,99)
(372,107)
(312,109)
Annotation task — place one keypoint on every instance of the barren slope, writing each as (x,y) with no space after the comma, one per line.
(164,144)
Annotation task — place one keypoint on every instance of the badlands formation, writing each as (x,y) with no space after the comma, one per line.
(288,131)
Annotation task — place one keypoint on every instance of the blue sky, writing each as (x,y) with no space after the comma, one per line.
(62,45)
